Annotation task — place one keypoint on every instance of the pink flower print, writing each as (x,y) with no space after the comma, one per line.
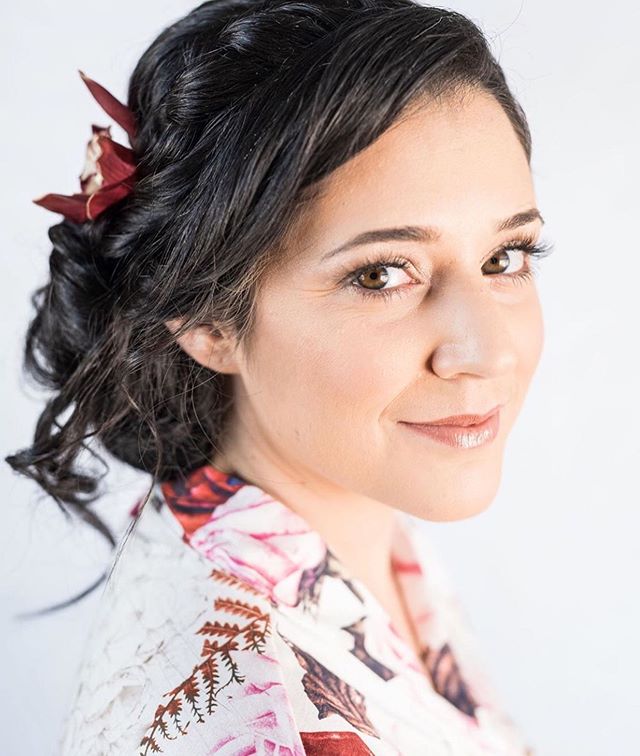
(267,724)
(261,541)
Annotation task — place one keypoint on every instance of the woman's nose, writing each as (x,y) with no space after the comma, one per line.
(477,335)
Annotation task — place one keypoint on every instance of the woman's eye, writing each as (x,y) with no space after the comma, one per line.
(531,254)
(500,260)
(381,279)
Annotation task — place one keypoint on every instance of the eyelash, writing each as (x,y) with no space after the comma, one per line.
(533,253)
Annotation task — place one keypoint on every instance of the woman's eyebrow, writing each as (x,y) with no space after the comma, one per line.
(425,233)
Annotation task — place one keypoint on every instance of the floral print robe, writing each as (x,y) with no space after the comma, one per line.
(227,626)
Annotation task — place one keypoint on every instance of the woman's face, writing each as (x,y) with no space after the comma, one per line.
(333,372)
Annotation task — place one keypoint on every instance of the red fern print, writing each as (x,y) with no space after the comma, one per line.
(197,693)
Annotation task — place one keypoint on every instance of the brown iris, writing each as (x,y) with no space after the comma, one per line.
(370,275)
(501,258)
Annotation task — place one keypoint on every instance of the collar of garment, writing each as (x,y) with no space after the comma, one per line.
(443,693)
(250,534)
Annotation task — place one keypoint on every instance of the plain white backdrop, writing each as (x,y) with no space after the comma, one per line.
(549,572)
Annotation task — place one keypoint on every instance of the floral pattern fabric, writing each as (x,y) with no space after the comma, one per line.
(228,626)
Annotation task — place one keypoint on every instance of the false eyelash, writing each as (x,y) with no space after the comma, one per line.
(534,252)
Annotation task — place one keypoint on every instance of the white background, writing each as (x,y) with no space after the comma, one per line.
(549,572)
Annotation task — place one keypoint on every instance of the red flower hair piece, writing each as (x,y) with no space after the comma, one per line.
(109,171)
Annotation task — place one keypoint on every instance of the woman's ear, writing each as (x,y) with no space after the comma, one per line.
(208,345)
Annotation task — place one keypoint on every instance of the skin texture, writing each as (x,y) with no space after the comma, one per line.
(317,403)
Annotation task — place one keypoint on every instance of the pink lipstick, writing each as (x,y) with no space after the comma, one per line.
(461,431)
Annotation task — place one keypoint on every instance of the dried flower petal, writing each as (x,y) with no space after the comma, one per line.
(109,171)
(120,113)
(90,178)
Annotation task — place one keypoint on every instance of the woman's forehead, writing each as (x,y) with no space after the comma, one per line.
(459,170)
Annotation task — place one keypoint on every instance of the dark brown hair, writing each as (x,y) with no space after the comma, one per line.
(242,107)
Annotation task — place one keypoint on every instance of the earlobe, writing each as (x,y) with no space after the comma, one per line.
(207,345)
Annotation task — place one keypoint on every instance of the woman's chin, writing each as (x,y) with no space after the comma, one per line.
(459,511)
(455,497)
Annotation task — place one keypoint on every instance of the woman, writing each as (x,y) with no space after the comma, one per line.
(316,256)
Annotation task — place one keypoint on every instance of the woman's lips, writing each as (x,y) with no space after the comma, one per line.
(460,436)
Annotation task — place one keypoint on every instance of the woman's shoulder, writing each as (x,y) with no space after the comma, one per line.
(180,658)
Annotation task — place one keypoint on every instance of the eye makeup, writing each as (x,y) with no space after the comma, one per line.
(533,252)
